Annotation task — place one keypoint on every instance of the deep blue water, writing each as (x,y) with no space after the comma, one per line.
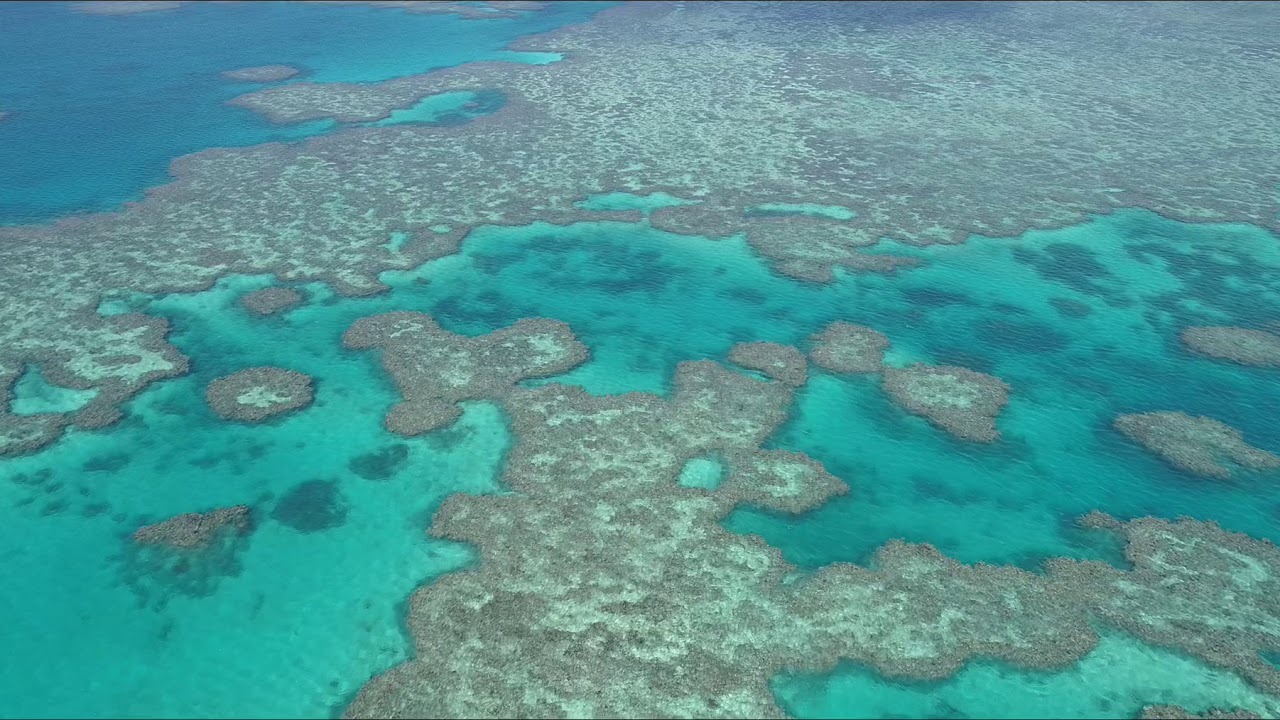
(99,105)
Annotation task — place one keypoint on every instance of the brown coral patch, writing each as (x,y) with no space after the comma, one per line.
(1195,444)
(194,530)
(963,402)
(436,369)
(1238,345)
(271,300)
(846,348)
(780,362)
(256,394)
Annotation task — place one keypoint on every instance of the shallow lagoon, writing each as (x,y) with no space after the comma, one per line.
(317,612)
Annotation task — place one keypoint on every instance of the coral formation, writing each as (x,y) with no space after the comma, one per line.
(780,362)
(963,402)
(194,530)
(1211,593)
(1239,345)
(620,594)
(436,369)
(380,464)
(821,112)
(271,300)
(846,348)
(262,73)
(1196,444)
(186,554)
(117,356)
(258,393)
(312,506)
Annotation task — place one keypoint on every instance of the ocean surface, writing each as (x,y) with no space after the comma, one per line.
(314,604)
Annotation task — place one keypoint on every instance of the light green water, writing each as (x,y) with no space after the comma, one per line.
(32,395)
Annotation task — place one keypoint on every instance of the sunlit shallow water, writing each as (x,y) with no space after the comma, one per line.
(1082,322)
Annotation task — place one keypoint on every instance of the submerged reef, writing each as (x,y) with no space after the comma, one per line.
(843,347)
(436,369)
(820,103)
(485,9)
(1239,345)
(262,73)
(271,300)
(194,530)
(605,588)
(380,464)
(312,506)
(1175,712)
(124,7)
(258,393)
(1195,444)
(186,554)
(780,362)
(963,402)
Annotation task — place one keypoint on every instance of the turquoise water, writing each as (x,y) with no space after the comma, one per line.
(310,616)
(1082,322)
(98,106)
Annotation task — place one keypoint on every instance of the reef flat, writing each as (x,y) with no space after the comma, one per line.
(234,210)
(702,348)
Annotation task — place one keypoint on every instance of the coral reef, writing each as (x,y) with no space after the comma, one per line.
(436,369)
(271,300)
(1211,593)
(846,348)
(185,555)
(380,464)
(852,112)
(117,356)
(780,362)
(312,506)
(963,402)
(1239,345)
(1196,444)
(604,588)
(194,530)
(256,394)
(262,73)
